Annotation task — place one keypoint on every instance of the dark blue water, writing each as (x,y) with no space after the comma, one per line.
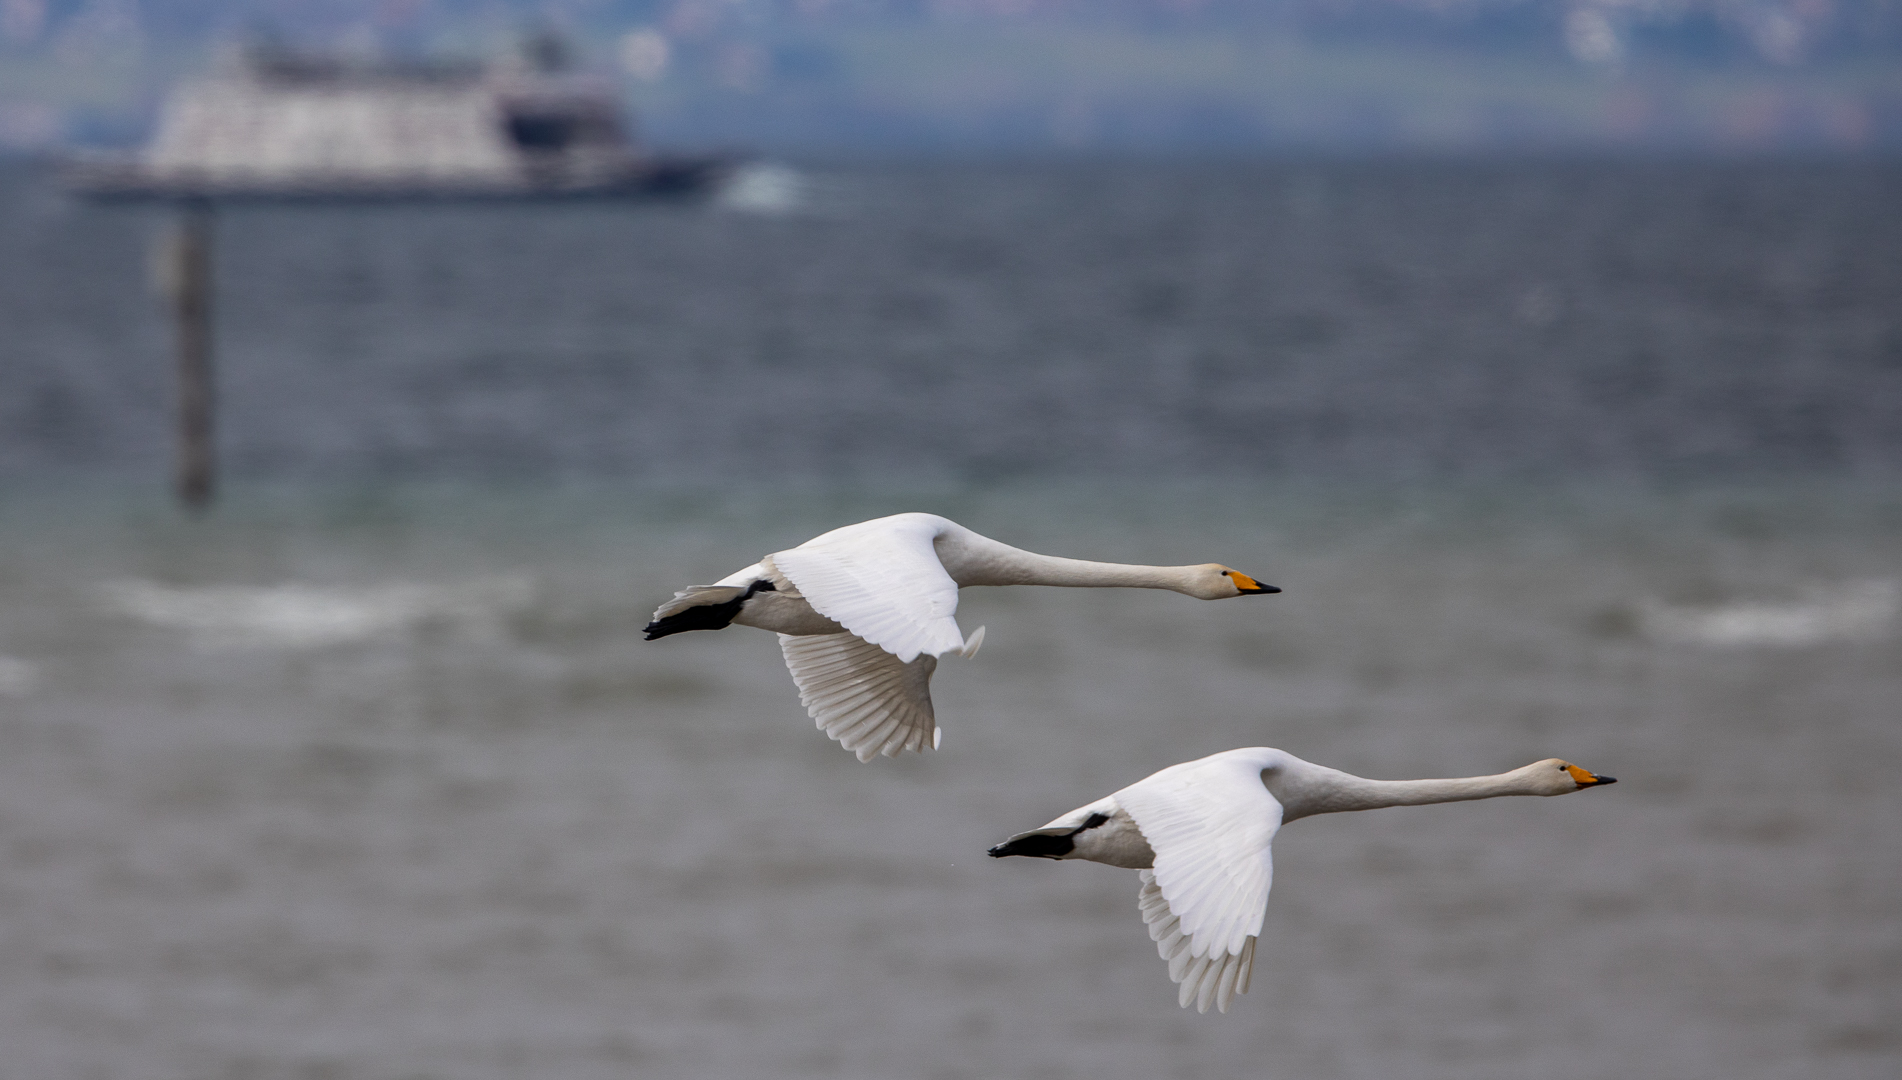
(1395,319)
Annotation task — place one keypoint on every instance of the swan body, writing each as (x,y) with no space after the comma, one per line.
(864,612)
(1200,833)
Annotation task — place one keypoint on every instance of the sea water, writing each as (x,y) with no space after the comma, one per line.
(368,773)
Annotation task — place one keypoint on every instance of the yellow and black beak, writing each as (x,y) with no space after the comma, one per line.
(1587,778)
(1249,586)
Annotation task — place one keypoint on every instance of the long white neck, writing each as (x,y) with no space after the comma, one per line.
(1305,789)
(972,559)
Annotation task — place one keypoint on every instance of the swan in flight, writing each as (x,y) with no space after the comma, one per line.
(863,613)
(1200,833)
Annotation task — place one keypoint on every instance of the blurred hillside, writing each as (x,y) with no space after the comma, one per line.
(1038,76)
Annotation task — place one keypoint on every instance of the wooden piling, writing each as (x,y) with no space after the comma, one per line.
(190,280)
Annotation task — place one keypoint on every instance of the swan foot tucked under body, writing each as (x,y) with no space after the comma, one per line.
(1201,831)
(881,598)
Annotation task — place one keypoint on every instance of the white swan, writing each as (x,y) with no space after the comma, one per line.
(1200,833)
(863,613)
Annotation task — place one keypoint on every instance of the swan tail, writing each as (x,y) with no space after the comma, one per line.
(862,697)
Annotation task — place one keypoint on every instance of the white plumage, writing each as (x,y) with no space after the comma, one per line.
(883,581)
(863,697)
(863,613)
(1201,832)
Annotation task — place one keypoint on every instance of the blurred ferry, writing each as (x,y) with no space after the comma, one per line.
(286,125)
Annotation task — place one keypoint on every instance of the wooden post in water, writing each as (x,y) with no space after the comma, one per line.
(187,273)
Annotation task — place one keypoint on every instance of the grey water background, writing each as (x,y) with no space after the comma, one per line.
(368,773)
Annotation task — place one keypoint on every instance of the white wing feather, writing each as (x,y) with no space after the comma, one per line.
(881,580)
(1213,979)
(1211,823)
(862,696)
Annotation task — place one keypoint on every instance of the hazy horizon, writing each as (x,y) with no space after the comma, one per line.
(981,77)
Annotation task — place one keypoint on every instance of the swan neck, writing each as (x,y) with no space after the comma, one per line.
(1083,574)
(1425,792)
(1345,791)
(971,559)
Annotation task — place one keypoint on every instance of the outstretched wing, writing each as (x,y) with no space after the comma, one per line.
(1211,823)
(868,700)
(1213,978)
(881,580)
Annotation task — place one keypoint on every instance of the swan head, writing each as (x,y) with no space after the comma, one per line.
(1555,776)
(1213,581)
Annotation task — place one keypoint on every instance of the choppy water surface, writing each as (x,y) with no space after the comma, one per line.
(389,786)
(369,776)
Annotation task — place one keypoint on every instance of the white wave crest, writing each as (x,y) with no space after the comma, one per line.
(1857,611)
(294,616)
(764,189)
